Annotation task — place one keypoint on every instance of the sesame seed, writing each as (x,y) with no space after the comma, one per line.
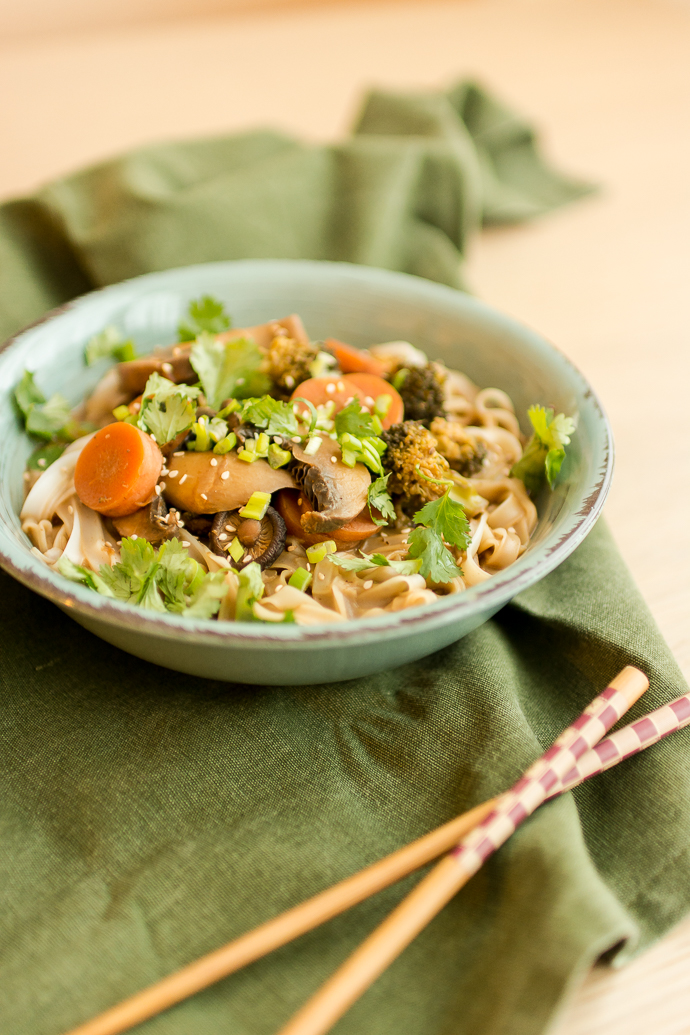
(368,584)
(289,380)
(321,575)
(203,495)
(334,459)
(299,502)
(42,462)
(306,415)
(369,401)
(340,386)
(119,542)
(70,509)
(162,485)
(173,474)
(223,535)
(225,475)
(291,547)
(134,536)
(183,479)
(180,452)
(186,545)
(296,438)
(240,381)
(167,368)
(349,400)
(152,436)
(278,440)
(164,470)
(278,587)
(158,490)
(247,556)
(214,462)
(330,388)
(177,350)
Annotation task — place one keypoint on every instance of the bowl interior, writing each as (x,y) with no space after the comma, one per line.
(356,304)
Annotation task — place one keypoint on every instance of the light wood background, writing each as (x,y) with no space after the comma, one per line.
(608,279)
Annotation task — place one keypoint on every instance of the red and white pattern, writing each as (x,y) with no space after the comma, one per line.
(628,741)
(540,779)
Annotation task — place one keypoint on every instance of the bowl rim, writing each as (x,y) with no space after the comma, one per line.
(487,596)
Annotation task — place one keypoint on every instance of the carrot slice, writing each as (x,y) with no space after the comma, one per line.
(291,511)
(117,471)
(320,390)
(352,360)
(372,387)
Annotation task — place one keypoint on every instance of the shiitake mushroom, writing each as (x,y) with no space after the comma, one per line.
(262,541)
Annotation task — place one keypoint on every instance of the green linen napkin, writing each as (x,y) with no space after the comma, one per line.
(146,817)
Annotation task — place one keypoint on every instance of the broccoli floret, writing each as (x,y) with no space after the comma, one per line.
(289,361)
(411,458)
(462,453)
(421,389)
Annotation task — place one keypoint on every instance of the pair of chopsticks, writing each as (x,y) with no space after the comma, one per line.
(471,837)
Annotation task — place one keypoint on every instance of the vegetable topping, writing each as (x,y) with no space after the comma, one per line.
(117,470)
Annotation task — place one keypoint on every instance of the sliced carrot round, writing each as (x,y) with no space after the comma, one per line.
(321,390)
(372,387)
(351,360)
(291,510)
(117,471)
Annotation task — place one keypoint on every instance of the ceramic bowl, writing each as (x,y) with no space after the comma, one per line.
(360,305)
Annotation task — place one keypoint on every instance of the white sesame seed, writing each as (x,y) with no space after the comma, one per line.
(225,475)
(203,496)
(70,509)
(186,545)
(164,470)
(369,401)
(180,452)
(135,536)
(158,490)
(334,459)
(299,502)
(119,542)
(173,474)
(306,415)
(340,386)
(222,536)
(183,479)
(296,438)
(278,587)
(247,556)
(108,435)
(321,575)
(214,462)
(349,400)
(167,368)
(41,462)
(368,584)
(278,440)
(289,380)
(162,485)
(152,436)
(330,388)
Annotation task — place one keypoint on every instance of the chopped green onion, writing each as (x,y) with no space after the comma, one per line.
(256,506)
(278,457)
(399,378)
(376,424)
(202,440)
(317,552)
(300,579)
(313,445)
(382,405)
(121,412)
(247,456)
(262,444)
(217,429)
(232,407)
(226,444)
(236,550)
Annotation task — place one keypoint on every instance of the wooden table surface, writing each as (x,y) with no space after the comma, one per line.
(607,279)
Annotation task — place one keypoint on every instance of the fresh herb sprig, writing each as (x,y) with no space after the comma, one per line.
(205,314)
(545,452)
(440,523)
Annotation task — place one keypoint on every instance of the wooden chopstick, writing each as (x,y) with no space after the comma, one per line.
(386,943)
(324,906)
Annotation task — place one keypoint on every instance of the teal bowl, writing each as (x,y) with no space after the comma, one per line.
(356,304)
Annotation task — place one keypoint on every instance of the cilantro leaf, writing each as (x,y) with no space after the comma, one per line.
(278,418)
(27,394)
(366,562)
(204,314)
(354,420)
(441,521)
(378,497)
(250,590)
(166,408)
(109,344)
(75,573)
(545,452)
(49,419)
(43,456)
(206,601)
(228,370)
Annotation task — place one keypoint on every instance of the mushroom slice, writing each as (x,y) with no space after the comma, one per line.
(153,522)
(262,541)
(172,363)
(206,483)
(336,492)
